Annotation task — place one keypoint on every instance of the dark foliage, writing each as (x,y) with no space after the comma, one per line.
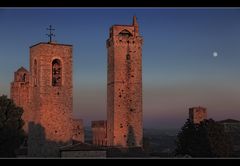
(206,139)
(11,132)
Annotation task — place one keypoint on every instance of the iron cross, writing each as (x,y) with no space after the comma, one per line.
(50,33)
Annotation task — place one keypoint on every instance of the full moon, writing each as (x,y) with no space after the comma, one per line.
(215,54)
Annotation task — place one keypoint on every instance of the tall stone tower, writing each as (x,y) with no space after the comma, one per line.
(20,93)
(197,114)
(51,98)
(124,86)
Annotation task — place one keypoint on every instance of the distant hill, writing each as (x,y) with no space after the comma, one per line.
(161,141)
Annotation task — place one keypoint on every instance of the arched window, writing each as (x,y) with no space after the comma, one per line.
(24,77)
(35,72)
(56,73)
(125,33)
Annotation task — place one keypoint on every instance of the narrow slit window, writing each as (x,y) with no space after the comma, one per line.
(128,57)
(35,72)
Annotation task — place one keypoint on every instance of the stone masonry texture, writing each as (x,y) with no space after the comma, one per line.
(197,114)
(20,93)
(124,86)
(99,132)
(51,105)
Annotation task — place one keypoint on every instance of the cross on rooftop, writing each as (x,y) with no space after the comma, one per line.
(50,29)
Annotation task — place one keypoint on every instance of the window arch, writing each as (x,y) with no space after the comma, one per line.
(125,33)
(24,77)
(56,72)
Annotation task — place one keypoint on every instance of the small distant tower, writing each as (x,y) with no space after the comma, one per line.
(124,86)
(197,114)
(20,93)
(99,132)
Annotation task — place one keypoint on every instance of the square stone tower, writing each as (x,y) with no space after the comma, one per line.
(197,114)
(124,86)
(51,98)
(99,133)
(20,93)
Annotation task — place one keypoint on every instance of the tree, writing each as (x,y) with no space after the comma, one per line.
(219,140)
(206,139)
(11,131)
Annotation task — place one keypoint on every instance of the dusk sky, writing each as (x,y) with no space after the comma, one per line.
(179,69)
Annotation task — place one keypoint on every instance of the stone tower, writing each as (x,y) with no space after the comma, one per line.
(197,114)
(99,133)
(20,93)
(51,98)
(124,86)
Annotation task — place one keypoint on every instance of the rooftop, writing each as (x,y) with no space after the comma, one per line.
(229,121)
(52,43)
(22,69)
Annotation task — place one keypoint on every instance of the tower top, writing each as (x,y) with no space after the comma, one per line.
(135,21)
(135,24)
(126,30)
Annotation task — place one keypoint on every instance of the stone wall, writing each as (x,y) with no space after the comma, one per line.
(124,86)
(78,130)
(84,154)
(197,114)
(99,131)
(45,93)
(20,94)
(51,105)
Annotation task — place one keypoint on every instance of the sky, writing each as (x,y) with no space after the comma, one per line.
(180,66)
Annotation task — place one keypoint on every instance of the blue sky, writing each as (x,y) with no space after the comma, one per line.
(179,70)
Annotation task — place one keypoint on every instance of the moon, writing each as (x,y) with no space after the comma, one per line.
(215,54)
